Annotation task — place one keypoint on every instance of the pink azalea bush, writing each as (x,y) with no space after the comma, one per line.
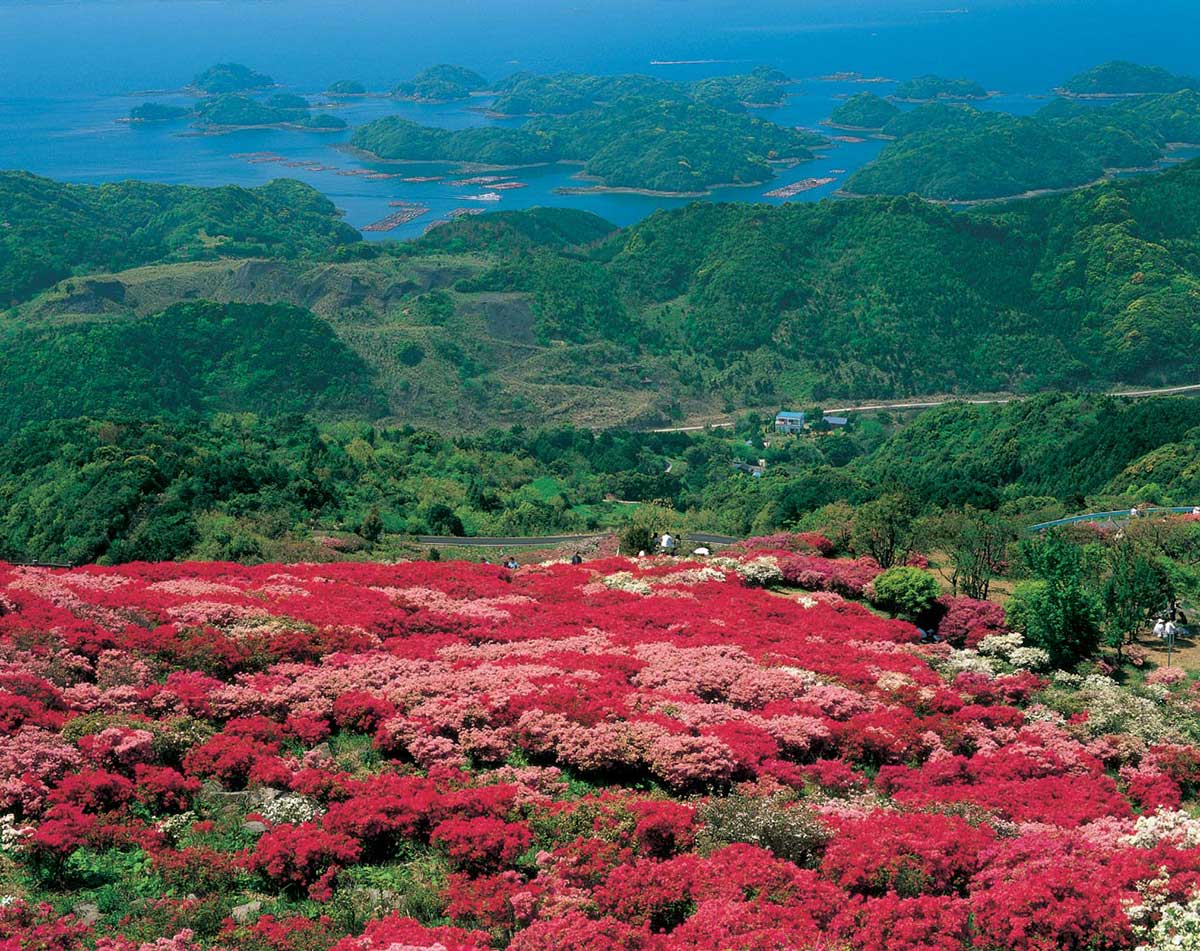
(615,756)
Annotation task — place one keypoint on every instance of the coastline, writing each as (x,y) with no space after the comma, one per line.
(458,164)
(649,192)
(228,129)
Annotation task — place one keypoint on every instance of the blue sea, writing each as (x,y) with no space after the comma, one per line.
(70,70)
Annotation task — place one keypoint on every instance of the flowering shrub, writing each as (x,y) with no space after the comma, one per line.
(623,756)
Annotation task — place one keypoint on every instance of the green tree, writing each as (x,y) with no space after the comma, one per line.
(885,529)
(1136,587)
(975,542)
(371,528)
(1057,610)
(905,592)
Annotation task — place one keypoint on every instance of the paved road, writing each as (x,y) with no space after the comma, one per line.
(930,404)
(1121,515)
(547,541)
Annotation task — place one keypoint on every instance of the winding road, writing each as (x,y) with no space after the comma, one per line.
(726,422)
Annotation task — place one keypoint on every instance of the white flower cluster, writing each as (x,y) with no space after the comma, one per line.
(1112,709)
(625,581)
(11,834)
(968,662)
(760,572)
(1174,827)
(1011,649)
(1177,927)
(292,808)
(173,827)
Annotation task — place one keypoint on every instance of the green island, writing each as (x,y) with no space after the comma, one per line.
(931,88)
(157,112)
(1120,78)
(284,110)
(762,86)
(651,136)
(230,77)
(864,111)
(346,87)
(560,94)
(957,153)
(442,83)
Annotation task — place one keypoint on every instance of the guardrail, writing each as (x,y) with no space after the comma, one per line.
(1121,514)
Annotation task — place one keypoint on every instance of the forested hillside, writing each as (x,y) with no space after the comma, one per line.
(50,230)
(555,315)
(247,486)
(958,153)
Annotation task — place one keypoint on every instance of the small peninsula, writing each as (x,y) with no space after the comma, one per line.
(1118,79)
(442,83)
(931,88)
(864,112)
(230,77)
(956,153)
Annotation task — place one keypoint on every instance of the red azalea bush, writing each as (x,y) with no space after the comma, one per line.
(615,756)
(303,856)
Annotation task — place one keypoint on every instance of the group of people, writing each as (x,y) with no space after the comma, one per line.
(1165,630)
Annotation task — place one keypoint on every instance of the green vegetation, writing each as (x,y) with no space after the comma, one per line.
(230,77)
(905,592)
(346,87)
(554,315)
(157,112)
(962,154)
(234,110)
(217,485)
(1120,78)
(864,111)
(199,357)
(560,94)
(441,83)
(665,145)
(929,88)
(762,86)
(394,138)
(54,230)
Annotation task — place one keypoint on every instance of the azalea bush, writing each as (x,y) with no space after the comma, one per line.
(650,755)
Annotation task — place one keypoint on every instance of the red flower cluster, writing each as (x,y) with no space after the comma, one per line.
(616,756)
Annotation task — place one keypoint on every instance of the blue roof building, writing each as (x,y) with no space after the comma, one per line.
(789,422)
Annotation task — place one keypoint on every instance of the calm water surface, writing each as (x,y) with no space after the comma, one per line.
(69,71)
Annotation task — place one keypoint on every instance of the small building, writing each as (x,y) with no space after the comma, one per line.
(836,420)
(789,422)
(752,470)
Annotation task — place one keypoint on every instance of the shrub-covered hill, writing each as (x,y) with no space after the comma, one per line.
(1121,78)
(554,315)
(964,154)
(864,111)
(50,230)
(192,357)
(897,295)
(620,755)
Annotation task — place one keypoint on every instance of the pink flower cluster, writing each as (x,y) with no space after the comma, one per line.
(561,748)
